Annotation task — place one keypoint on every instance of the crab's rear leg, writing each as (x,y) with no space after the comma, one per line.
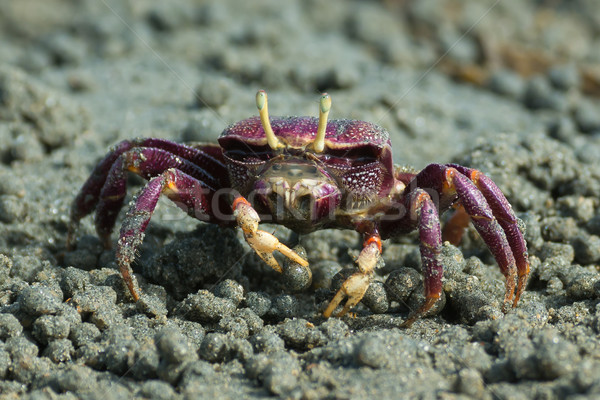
(88,195)
(486,225)
(263,243)
(507,219)
(147,162)
(357,284)
(494,221)
(109,178)
(186,191)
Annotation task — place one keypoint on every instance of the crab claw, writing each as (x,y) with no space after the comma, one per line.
(354,287)
(262,242)
(357,284)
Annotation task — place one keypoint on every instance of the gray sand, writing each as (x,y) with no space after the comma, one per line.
(214,321)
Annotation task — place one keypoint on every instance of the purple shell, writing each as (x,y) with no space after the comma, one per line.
(298,132)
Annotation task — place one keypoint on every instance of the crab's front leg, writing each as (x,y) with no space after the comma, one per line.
(262,242)
(357,284)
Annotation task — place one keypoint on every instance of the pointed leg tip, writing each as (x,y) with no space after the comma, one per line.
(521,284)
(520,291)
(430,301)
(512,292)
(508,303)
(135,293)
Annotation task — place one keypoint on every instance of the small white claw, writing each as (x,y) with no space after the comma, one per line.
(265,244)
(357,284)
(262,242)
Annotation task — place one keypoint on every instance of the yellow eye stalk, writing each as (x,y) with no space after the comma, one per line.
(263,110)
(324,107)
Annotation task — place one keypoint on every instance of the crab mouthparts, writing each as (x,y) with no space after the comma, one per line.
(297,191)
(292,195)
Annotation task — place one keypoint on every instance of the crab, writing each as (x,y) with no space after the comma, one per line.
(306,173)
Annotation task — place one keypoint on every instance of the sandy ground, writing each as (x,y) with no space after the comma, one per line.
(508,87)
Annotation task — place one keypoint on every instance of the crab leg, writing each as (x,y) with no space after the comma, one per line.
(508,221)
(487,226)
(357,284)
(423,210)
(186,191)
(87,198)
(450,183)
(146,162)
(263,243)
(90,192)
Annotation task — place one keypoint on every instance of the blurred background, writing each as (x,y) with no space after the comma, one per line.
(511,87)
(438,75)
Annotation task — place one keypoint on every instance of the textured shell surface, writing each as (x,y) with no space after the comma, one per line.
(299,132)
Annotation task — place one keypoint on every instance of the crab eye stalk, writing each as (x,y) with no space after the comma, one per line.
(263,111)
(324,107)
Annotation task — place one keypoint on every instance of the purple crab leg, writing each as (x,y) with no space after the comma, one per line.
(423,209)
(206,157)
(186,191)
(450,183)
(146,162)
(487,226)
(87,198)
(110,201)
(506,218)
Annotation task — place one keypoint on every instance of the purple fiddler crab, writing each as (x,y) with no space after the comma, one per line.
(306,173)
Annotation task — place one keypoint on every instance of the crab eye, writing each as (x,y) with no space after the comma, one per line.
(242,151)
(276,167)
(362,153)
(355,156)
